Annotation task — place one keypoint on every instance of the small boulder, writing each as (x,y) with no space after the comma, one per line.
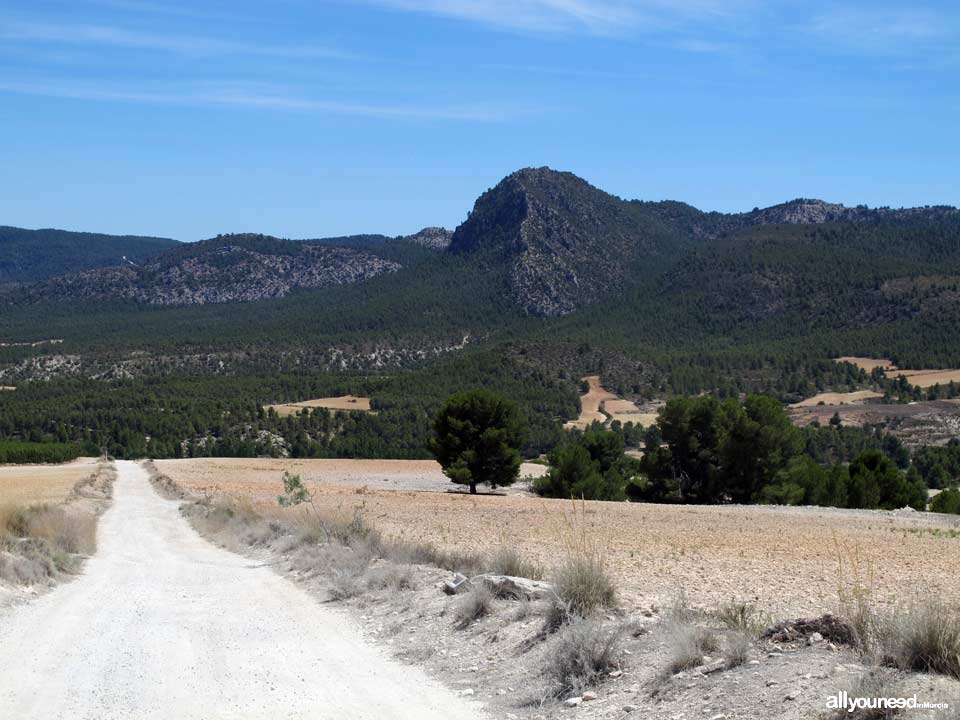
(573,701)
(457,585)
(589,695)
(517,588)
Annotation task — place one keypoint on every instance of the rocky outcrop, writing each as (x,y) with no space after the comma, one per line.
(228,269)
(435,238)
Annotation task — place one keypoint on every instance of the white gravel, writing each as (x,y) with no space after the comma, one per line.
(163,624)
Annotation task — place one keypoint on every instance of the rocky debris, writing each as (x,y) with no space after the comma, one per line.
(826,626)
(435,238)
(573,701)
(517,588)
(459,583)
(502,586)
(589,695)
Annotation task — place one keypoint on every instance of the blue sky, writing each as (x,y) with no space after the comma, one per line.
(305,118)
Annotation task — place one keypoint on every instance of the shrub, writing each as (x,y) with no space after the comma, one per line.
(947,501)
(475,604)
(924,637)
(742,617)
(689,643)
(583,585)
(508,561)
(582,654)
(737,650)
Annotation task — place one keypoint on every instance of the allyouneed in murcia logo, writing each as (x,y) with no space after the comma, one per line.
(843,701)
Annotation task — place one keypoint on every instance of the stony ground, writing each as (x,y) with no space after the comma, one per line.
(785,560)
(505,657)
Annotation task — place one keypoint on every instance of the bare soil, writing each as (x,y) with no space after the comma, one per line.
(346,402)
(833,398)
(504,657)
(782,559)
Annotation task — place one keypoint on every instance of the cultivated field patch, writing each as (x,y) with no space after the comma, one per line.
(833,398)
(29,484)
(345,402)
(600,405)
(920,378)
(781,559)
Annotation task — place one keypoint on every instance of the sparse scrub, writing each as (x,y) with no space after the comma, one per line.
(855,592)
(689,643)
(582,581)
(582,653)
(924,637)
(741,617)
(877,683)
(737,648)
(347,578)
(392,577)
(508,561)
(475,604)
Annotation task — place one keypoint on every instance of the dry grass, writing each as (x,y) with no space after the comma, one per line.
(28,484)
(475,604)
(649,550)
(40,540)
(507,560)
(923,637)
(582,654)
(582,579)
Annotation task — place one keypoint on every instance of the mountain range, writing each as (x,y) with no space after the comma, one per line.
(543,257)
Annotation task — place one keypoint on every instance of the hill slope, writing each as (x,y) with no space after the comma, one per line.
(32,255)
(230,268)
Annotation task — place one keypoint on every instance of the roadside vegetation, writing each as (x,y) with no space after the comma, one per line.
(40,543)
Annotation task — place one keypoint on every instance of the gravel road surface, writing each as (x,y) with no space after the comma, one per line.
(162,624)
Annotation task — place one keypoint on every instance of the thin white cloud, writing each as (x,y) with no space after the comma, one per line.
(260,97)
(548,16)
(882,29)
(195,45)
(596,17)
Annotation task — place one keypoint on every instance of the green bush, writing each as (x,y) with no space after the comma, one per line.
(947,501)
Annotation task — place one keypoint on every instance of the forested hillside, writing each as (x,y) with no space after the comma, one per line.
(28,256)
(548,279)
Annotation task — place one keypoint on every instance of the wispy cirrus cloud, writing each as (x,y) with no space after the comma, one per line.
(877,28)
(598,17)
(260,96)
(120,37)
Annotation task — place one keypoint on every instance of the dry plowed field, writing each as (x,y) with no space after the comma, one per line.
(27,484)
(345,402)
(783,559)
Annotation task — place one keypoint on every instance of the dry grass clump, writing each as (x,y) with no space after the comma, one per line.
(741,617)
(39,541)
(506,560)
(924,637)
(875,684)
(582,580)
(475,604)
(391,577)
(689,643)
(737,649)
(582,653)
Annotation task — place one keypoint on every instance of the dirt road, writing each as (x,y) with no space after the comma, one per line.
(163,624)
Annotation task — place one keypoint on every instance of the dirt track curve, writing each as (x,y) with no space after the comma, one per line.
(162,624)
